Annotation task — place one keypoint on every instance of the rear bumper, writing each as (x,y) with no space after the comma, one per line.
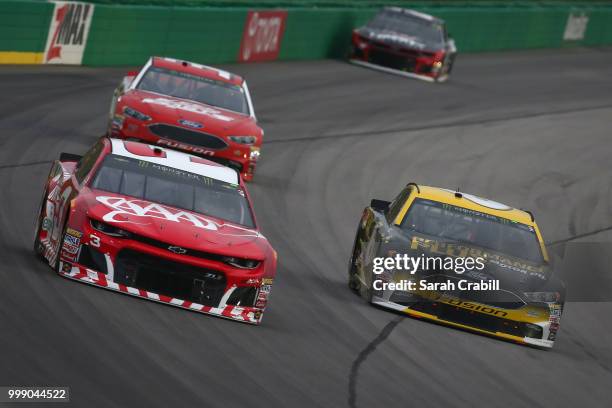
(79,273)
(243,158)
(385,303)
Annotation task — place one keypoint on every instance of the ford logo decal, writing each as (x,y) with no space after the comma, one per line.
(190,124)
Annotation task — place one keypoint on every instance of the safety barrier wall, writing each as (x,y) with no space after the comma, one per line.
(129,34)
(502,29)
(23,31)
(599,29)
(355,4)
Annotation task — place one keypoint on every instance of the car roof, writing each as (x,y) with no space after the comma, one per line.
(475,203)
(197,69)
(175,159)
(414,13)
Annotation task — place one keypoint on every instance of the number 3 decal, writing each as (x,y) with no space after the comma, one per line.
(94,241)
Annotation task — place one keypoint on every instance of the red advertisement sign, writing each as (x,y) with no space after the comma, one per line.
(263,32)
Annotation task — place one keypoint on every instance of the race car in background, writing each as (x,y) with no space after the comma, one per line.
(190,107)
(431,222)
(405,42)
(159,224)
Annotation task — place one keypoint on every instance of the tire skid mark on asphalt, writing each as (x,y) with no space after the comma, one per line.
(52,98)
(363,355)
(13,166)
(467,122)
(586,350)
(578,236)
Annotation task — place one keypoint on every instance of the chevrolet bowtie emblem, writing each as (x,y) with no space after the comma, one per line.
(177,250)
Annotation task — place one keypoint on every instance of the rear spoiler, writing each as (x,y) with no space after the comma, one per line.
(69,157)
(380,205)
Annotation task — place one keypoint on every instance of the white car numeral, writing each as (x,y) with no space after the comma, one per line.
(94,241)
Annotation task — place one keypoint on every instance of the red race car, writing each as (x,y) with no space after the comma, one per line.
(159,224)
(189,107)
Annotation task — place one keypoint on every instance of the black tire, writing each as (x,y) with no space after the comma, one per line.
(37,228)
(451,62)
(61,242)
(446,69)
(366,292)
(353,283)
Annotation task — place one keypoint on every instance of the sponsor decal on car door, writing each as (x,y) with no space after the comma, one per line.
(262,35)
(68,32)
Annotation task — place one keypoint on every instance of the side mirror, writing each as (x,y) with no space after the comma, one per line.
(380,205)
(69,157)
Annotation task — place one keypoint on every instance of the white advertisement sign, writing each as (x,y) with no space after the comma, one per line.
(68,32)
(576,26)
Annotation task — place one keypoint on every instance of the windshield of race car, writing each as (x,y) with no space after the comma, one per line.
(474,228)
(173,187)
(429,32)
(195,88)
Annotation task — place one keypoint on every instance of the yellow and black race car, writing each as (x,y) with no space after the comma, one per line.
(460,260)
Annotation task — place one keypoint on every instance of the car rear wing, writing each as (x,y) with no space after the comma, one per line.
(69,157)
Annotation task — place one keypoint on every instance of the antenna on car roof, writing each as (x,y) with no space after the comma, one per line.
(458,193)
(416,185)
(530,214)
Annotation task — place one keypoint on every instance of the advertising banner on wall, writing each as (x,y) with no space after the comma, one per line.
(576,26)
(68,32)
(262,35)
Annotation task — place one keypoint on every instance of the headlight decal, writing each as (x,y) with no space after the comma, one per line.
(543,297)
(245,140)
(133,113)
(241,262)
(109,229)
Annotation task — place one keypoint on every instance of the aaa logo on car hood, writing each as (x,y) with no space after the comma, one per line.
(122,207)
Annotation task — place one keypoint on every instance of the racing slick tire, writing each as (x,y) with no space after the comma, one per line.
(354,283)
(451,64)
(37,228)
(444,75)
(56,266)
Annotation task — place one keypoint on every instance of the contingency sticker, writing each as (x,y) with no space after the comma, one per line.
(554,319)
(72,243)
(264,292)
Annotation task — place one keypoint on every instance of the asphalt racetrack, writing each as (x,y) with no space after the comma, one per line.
(530,129)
